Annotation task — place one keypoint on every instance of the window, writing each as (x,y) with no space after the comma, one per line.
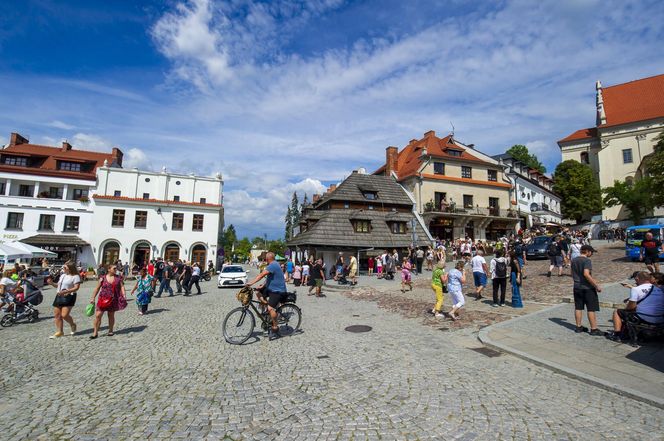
(370,207)
(146,195)
(584,158)
(362,226)
(197,224)
(69,166)
(440,199)
(2,188)
(398,227)
(371,195)
(79,193)
(494,206)
(14,221)
(117,193)
(25,190)
(346,205)
(16,160)
(466,172)
(141,219)
(55,193)
(176,198)
(46,222)
(468,201)
(452,152)
(492,175)
(118,218)
(71,223)
(178,221)
(203,200)
(627,156)
(438,168)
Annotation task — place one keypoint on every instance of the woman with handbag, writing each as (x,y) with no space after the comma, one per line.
(65,298)
(145,285)
(515,277)
(111,299)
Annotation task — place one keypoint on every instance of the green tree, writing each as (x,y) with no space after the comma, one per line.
(277,246)
(654,165)
(637,197)
(288,220)
(230,236)
(520,152)
(579,191)
(295,210)
(243,249)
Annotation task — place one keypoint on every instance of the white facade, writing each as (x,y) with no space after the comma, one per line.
(141,215)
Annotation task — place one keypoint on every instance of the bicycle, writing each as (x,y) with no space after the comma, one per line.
(240,322)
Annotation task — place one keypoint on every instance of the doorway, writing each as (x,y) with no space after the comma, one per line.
(172,252)
(198,255)
(142,254)
(111,253)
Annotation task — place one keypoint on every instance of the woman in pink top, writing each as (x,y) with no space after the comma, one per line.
(110,288)
(406,266)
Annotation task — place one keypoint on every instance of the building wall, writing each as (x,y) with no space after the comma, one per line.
(456,190)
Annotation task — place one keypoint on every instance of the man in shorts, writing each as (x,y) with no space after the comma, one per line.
(273,291)
(317,277)
(480,271)
(649,252)
(585,291)
(555,254)
(352,270)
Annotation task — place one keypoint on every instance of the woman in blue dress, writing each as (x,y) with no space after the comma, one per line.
(145,284)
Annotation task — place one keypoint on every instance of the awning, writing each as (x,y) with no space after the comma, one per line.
(9,253)
(35,251)
(58,240)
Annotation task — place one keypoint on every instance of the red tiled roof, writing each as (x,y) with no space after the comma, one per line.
(638,100)
(153,201)
(409,160)
(50,156)
(588,133)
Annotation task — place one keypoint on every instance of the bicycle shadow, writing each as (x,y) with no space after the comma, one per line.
(258,336)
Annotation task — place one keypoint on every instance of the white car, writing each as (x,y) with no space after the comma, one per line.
(232,275)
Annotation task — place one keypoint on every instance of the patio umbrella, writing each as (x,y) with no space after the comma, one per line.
(33,250)
(8,253)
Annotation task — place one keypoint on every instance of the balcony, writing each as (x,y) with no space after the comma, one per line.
(542,208)
(432,208)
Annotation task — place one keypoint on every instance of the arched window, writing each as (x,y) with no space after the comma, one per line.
(584,158)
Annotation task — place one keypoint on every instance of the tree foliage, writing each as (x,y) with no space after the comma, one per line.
(288,220)
(230,237)
(293,215)
(637,197)
(579,190)
(520,152)
(654,165)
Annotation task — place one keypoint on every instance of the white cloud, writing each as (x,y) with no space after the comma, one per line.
(57,124)
(136,158)
(87,141)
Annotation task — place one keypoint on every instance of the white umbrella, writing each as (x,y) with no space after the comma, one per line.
(9,253)
(33,250)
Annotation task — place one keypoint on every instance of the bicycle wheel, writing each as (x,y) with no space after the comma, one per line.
(289,318)
(238,325)
(7,320)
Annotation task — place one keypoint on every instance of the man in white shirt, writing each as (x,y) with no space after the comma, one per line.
(480,272)
(645,299)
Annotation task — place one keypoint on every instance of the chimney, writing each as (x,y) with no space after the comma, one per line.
(412,141)
(116,156)
(332,188)
(16,139)
(431,133)
(315,199)
(65,146)
(391,156)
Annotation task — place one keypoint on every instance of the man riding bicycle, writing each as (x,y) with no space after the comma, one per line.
(273,292)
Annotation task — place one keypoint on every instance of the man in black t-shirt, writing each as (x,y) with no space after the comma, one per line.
(159,269)
(317,277)
(178,269)
(649,252)
(585,291)
(555,254)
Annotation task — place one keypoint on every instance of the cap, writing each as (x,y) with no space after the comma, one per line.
(588,248)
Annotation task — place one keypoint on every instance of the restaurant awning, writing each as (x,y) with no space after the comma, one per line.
(58,240)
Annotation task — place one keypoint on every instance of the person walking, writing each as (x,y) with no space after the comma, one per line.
(178,270)
(521,256)
(110,288)
(352,270)
(165,283)
(438,282)
(649,252)
(499,277)
(370,265)
(65,298)
(195,277)
(480,273)
(455,281)
(317,277)
(419,259)
(145,285)
(585,291)
(297,274)
(516,278)
(306,268)
(555,254)
(406,278)
(185,278)
(574,250)
(379,266)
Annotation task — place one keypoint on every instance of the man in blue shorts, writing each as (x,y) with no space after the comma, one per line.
(480,271)
(273,292)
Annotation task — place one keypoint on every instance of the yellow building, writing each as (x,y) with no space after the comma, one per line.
(629,118)
(458,190)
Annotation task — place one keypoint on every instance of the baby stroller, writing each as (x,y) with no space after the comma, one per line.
(24,309)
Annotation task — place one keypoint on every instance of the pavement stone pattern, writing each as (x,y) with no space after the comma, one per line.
(170,375)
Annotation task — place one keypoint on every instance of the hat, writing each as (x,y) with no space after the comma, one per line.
(588,248)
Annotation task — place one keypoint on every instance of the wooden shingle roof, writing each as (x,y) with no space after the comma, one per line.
(352,188)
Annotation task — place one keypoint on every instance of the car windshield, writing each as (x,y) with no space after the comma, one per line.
(640,233)
(541,239)
(232,269)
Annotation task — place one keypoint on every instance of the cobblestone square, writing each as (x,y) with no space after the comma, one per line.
(170,375)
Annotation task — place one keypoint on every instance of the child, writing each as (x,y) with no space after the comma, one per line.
(405,274)
(455,280)
(297,274)
(379,266)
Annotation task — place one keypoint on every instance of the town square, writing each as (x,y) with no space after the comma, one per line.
(331,220)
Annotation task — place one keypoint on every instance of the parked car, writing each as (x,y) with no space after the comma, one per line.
(231,275)
(537,249)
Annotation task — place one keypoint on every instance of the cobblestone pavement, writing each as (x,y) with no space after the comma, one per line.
(170,375)
(538,291)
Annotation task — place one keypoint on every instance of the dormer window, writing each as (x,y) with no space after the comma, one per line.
(397,227)
(16,160)
(69,166)
(362,226)
(371,195)
(492,175)
(454,152)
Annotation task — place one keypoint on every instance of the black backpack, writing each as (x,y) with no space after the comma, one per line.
(553,249)
(501,268)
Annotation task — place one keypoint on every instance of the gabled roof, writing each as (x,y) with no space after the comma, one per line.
(588,133)
(638,100)
(351,189)
(410,159)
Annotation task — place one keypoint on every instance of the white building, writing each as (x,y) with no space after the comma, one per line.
(44,196)
(141,215)
(537,204)
(628,119)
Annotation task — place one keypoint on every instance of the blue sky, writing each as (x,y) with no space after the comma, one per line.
(294,95)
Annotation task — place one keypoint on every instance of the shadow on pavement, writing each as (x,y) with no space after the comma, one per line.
(649,355)
(131,330)
(157,311)
(563,322)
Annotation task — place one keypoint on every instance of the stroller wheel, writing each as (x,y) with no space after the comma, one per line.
(33,317)
(7,320)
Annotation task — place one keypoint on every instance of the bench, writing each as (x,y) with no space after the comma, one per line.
(636,325)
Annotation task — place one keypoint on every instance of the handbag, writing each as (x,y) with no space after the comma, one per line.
(105,302)
(90,310)
(122,302)
(61,301)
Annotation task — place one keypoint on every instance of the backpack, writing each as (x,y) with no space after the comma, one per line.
(160,266)
(553,249)
(501,268)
